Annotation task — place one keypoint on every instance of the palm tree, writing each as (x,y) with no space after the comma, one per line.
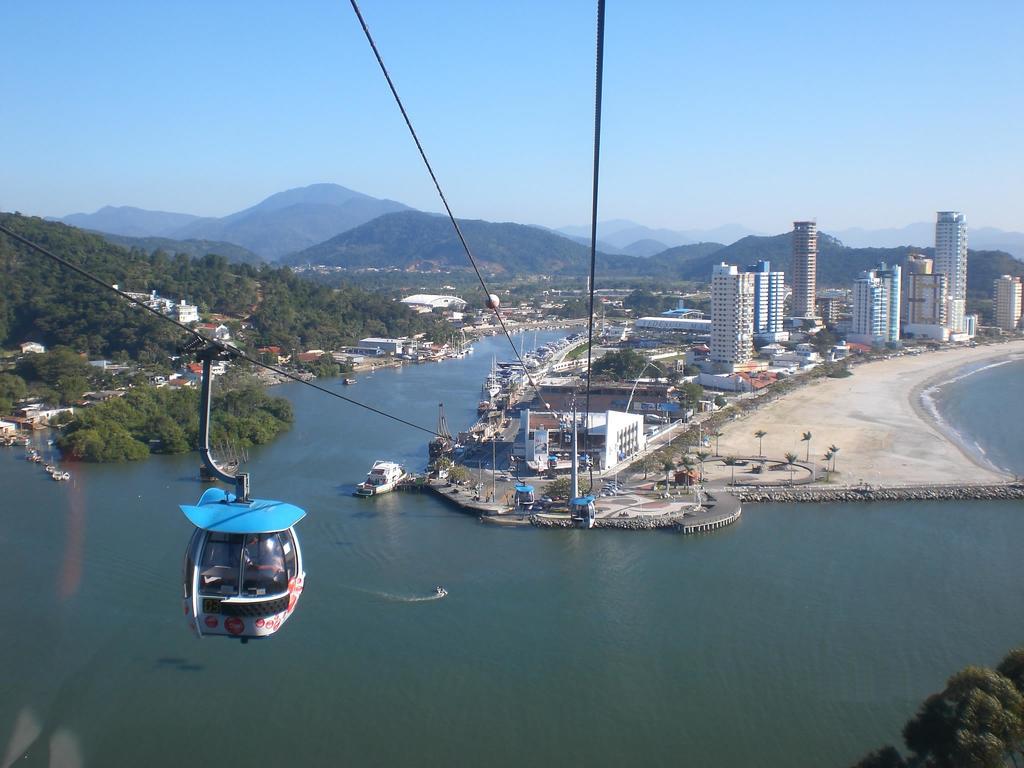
(668,466)
(807,439)
(686,462)
(731,461)
(701,456)
(717,435)
(790,460)
(827,457)
(760,441)
(833,449)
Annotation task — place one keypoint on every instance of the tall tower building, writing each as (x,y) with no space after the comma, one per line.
(1008,296)
(805,267)
(769,293)
(876,306)
(732,316)
(951,261)
(924,297)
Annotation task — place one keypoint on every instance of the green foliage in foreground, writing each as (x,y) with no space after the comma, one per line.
(623,364)
(167,421)
(976,721)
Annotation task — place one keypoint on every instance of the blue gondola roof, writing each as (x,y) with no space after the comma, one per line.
(582,501)
(218,511)
(523,488)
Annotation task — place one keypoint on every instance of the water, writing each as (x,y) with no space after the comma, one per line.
(803,636)
(983,404)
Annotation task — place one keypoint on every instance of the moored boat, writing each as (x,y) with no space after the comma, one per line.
(383,477)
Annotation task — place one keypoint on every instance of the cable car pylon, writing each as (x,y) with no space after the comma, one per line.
(243,571)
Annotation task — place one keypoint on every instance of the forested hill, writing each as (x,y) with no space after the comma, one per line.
(411,238)
(40,301)
(194,248)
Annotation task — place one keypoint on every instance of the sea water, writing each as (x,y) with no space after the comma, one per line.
(804,635)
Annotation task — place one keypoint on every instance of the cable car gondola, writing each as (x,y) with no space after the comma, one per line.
(243,567)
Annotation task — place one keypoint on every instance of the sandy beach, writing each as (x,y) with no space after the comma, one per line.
(885,435)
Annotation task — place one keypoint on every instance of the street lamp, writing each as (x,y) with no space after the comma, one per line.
(629,402)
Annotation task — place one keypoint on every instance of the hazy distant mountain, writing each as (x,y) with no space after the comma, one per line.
(621,233)
(292,220)
(283,223)
(645,247)
(413,238)
(194,248)
(126,220)
(922,234)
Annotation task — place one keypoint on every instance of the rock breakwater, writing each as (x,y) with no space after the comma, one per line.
(991,492)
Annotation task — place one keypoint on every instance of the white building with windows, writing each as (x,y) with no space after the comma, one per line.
(951,261)
(1008,296)
(876,306)
(769,295)
(732,317)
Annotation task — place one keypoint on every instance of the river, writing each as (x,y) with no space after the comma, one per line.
(805,635)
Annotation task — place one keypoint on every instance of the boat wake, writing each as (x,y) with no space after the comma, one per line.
(392,597)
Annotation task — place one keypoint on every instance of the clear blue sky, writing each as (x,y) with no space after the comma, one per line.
(870,113)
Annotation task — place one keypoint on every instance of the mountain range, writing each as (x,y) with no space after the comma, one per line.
(283,223)
(331,224)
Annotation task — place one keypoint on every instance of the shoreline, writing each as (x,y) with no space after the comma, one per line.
(886,434)
(923,401)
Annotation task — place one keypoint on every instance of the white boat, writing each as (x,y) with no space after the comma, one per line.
(383,477)
(441,591)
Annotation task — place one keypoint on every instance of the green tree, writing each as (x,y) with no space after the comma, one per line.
(459,474)
(833,449)
(790,461)
(760,435)
(717,435)
(702,456)
(827,458)
(807,439)
(720,401)
(12,389)
(622,365)
(731,461)
(977,721)
(648,463)
(559,488)
(669,466)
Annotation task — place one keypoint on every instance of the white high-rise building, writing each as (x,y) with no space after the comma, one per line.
(1008,299)
(769,295)
(876,306)
(951,261)
(732,317)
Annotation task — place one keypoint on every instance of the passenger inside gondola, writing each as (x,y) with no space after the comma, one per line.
(263,560)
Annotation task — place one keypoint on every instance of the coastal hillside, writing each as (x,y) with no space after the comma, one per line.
(39,302)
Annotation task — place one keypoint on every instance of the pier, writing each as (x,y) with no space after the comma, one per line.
(629,511)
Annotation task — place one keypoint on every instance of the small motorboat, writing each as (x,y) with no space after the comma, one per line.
(50,468)
(441,591)
(348,381)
